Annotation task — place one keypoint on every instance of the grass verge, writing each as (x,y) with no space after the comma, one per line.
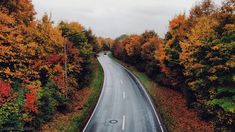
(79,122)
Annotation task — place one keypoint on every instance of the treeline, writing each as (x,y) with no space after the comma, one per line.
(196,58)
(41,65)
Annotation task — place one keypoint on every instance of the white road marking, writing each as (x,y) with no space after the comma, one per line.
(123,122)
(146,95)
(123,95)
(121,82)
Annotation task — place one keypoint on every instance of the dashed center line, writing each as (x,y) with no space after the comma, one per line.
(123,122)
(121,82)
(123,95)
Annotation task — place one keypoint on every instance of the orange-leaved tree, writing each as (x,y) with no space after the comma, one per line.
(169,57)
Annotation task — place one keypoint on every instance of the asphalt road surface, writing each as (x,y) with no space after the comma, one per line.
(123,105)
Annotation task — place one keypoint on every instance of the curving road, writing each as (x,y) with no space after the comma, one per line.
(123,104)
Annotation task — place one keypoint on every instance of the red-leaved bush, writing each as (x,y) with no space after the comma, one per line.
(5,89)
(30,101)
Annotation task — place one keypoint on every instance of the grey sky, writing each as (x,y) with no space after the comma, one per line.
(112,18)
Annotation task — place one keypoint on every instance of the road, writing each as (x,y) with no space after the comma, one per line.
(123,106)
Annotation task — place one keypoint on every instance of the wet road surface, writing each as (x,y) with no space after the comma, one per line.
(123,105)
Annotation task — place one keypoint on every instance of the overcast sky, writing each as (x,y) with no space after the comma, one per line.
(112,18)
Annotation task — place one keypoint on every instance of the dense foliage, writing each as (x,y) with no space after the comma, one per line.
(196,57)
(42,64)
(33,55)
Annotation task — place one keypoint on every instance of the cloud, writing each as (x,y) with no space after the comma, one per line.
(111,18)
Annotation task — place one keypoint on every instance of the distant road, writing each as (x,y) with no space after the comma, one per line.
(123,106)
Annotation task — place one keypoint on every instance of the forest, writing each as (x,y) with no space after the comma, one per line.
(196,58)
(43,64)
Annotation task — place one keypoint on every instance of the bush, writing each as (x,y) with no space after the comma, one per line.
(11,118)
(50,100)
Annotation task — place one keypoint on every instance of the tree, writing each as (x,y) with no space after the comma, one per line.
(77,36)
(92,40)
(205,8)
(48,50)
(226,17)
(148,51)
(32,59)
(209,70)
(169,59)
(132,48)
(147,35)
(16,53)
(21,10)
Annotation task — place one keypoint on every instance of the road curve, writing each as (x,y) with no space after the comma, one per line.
(123,105)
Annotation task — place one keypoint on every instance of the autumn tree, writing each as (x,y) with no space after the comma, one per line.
(16,53)
(132,48)
(118,48)
(92,40)
(226,17)
(21,10)
(169,59)
(147,35)
(148,50)
(76,34)
(208,59)
(105,43)
(32,65)
(49,54)
(204,8)
(194,51)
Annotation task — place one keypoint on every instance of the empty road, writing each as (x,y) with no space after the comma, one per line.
(123,106)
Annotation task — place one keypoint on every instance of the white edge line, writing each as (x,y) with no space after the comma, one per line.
(97,102)
(124,95)
(145,94)
(123,122)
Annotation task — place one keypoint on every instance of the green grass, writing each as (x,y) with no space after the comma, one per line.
(79,122)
